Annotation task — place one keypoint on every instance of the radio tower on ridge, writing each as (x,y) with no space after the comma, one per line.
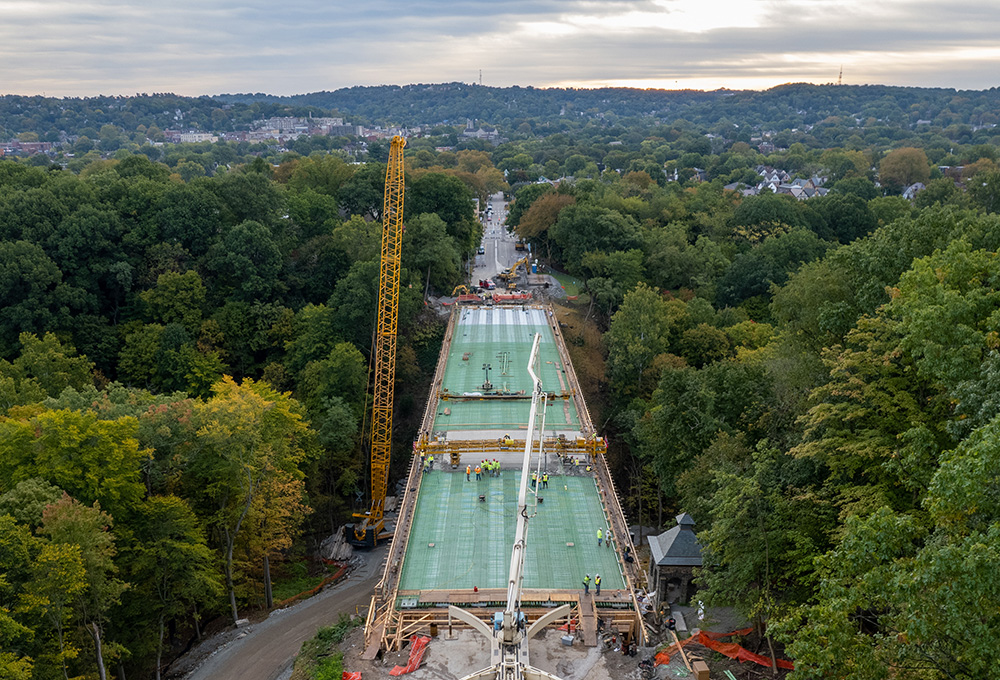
(840,78)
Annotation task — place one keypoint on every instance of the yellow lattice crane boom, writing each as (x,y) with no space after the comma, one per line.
(372,527)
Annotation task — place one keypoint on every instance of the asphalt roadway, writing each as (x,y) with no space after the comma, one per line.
(497,242)
(269,648)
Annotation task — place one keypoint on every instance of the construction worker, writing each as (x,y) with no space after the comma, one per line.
(597,583)
(534,479)
(430,460)
(607,537)
(586,584)
(496,463)
(600,537)
(545,480)
(479,473)
(468,471)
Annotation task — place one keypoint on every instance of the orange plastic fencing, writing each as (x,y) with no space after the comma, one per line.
(663,656)
(313,591)
(351,676)
(417,645)
(730,649)
(719,636)
(569,627)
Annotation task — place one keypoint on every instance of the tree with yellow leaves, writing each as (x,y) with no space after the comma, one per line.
(249,444)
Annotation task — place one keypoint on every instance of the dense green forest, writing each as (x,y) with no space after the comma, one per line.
(183,373)
(183,383)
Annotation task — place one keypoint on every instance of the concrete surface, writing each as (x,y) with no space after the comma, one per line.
(458,542)
(452,657)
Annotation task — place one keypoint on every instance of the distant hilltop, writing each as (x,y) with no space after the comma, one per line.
(528,111)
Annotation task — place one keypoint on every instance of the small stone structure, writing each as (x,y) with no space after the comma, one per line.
(674,555)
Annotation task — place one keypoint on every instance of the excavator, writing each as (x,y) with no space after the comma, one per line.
(510,276)
(371,530)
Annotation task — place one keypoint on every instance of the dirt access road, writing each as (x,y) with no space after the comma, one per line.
(269,647)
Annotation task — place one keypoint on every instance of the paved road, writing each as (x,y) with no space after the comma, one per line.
(498,244)
(270,647)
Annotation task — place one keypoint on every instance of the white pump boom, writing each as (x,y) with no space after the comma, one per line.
(509,648)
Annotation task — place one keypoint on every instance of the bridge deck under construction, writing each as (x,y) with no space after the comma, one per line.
(453,536)
(460,542)
(500,338)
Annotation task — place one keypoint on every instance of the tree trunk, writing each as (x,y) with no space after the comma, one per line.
(95,632)
(427,284)
(230,542)
(121,670)
(589,310)
(638,485)
(774,661)
(197,623)
(229,575)
(268,596)
(62,645)
(159,649)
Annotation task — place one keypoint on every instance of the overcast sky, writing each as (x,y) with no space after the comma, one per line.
(90,47)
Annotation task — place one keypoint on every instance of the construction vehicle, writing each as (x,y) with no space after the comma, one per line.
(460,289)
(371,529)
(519,245)
(511,274)
(510,633)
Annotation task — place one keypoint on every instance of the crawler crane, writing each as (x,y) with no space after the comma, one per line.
(371,529)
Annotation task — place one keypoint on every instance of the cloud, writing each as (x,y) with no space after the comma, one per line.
(124,46)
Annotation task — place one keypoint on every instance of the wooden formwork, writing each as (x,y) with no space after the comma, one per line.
(612,607)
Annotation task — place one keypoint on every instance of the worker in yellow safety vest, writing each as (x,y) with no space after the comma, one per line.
(430,461)
(545,480)
(534,479)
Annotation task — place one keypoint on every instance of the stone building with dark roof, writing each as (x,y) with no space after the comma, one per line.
(674,555)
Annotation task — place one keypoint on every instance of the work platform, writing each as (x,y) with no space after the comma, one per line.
(500,339)
(453,538)
(453,527)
